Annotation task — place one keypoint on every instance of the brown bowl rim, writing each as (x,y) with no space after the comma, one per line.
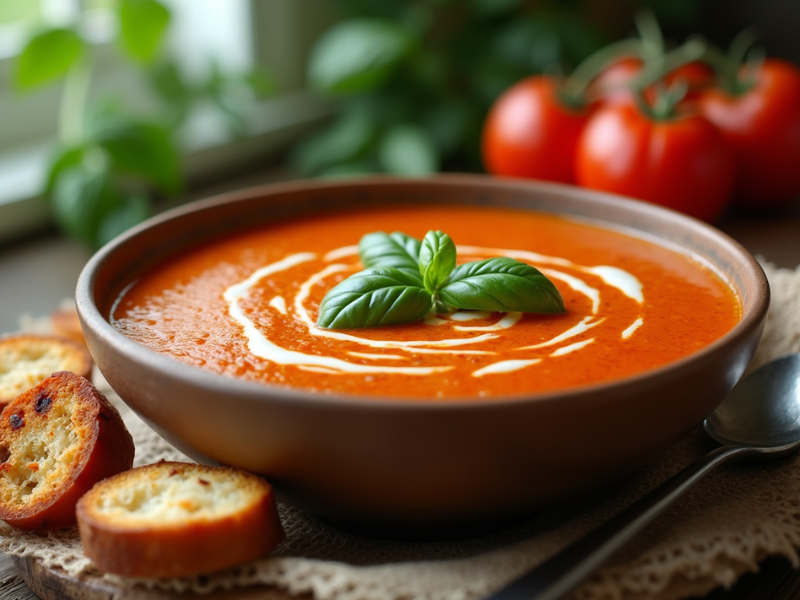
(92,318)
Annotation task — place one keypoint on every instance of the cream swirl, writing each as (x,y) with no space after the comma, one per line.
(571,340)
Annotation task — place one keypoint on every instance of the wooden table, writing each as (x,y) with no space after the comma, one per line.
(36,275)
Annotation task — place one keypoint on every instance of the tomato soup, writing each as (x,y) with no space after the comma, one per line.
(246,306)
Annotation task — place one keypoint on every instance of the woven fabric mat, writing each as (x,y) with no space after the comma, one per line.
(724,527)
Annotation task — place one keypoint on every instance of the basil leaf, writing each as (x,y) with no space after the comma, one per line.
(398,250)
(167,80)
(67,158)
(406,279)
(347,139)
(501,284)
(373,298)
(82,197)
(358,55)
(143,149)
(437,258)
(47,56)
(143,25)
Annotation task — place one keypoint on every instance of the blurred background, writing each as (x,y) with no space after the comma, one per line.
(111,110)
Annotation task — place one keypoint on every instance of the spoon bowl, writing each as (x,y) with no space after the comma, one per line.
(763,409)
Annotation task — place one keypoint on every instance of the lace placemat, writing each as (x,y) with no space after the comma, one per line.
(724,527)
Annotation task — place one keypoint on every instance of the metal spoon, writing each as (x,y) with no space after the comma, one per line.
(759,417)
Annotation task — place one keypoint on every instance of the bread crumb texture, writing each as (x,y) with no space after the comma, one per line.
(56,441)
(44,447)
(25,360)
(167,494)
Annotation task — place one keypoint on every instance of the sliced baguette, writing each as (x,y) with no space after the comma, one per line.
(57,440)
(171,519)
(26,359)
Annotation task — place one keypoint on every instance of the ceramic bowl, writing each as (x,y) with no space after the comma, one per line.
(348,458)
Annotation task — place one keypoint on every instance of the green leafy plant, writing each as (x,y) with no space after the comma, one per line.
(109,161)
(412,81)
(405,280)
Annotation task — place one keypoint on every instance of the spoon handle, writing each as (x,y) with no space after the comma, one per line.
(566,569)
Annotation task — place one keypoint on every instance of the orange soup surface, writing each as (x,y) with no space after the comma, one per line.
(246,306)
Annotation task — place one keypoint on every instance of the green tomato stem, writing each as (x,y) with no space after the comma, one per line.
(741,45)
(650,34)
(573,90)
(666,99)
(727,66)
(691,51)
(665,103)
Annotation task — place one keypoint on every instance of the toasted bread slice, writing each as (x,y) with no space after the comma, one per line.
(65,323)
(26,359)
(57,440)
(171,519)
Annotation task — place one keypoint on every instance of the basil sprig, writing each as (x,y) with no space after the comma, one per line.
(405,280)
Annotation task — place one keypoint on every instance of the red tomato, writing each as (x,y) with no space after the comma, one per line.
(612,85)
(529,132)
(681,163)
(696,75)
(762,127)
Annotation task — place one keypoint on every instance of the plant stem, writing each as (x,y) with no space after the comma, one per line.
(573,90)
(72,111)
(666,99)
(741,45)
(727,66)
(650,35)
(690,51)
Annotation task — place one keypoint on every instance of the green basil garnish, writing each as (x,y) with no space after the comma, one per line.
(406,280)
(375,297)
(437,259)
(501,284)
(383,250)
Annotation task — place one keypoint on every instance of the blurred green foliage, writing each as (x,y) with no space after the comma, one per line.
(109,160)
(15,11)
(412,80)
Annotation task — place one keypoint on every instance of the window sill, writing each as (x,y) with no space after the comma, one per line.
(209,153)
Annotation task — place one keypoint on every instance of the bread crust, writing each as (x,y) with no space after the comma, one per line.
(141,542)
(26,359)
(57,439)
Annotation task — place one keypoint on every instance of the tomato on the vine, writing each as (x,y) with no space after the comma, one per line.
(680,162)
(614,84)
(761,124)
(531,132)
(697,76)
